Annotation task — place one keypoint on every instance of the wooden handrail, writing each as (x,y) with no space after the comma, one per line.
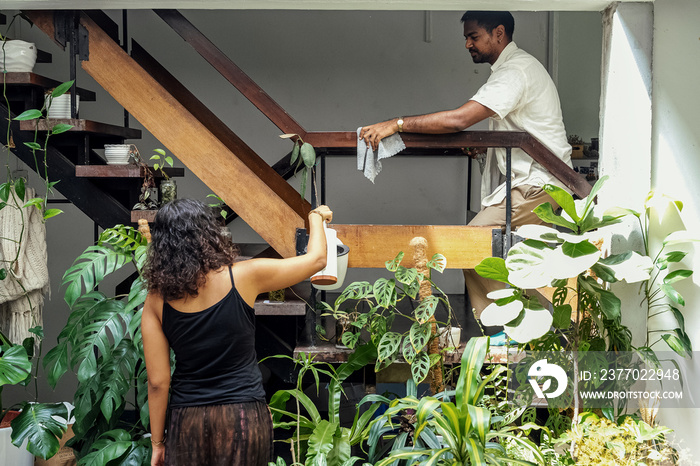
(229,70)
(525,141)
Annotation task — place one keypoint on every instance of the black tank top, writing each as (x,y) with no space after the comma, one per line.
(214,353)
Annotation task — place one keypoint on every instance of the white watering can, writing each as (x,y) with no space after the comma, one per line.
(332,276)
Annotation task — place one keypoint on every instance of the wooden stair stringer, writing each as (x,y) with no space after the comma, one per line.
(188,139)
(220,129)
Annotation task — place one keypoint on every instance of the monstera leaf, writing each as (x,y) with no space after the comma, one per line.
(42,425)
(14,365)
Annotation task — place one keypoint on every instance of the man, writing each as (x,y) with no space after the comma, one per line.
(518,96)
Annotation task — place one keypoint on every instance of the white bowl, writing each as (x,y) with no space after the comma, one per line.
(117,154)
(18,56)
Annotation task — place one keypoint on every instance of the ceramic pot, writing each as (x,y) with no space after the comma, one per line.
(18,56)
(10,454)
(59,107)
(118,154)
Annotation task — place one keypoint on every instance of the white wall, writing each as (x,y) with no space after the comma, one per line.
(676,157)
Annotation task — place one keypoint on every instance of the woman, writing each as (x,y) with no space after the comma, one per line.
(200,304)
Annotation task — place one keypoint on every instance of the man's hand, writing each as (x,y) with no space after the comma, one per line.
(374,133)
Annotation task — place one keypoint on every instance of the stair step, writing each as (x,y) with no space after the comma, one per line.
(36,80)
(122,171)
(84,126)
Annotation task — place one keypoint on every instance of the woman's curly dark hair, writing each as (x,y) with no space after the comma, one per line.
(187,243)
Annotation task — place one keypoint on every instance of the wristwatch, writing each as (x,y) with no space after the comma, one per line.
(399,122)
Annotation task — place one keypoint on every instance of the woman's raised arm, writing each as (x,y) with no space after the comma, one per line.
(256,276)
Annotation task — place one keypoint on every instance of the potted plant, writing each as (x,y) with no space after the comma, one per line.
(372,308)
(147,199)
(101,342)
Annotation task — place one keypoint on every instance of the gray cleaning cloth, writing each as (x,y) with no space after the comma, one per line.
(368,160)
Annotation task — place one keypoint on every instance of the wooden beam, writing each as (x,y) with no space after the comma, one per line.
(231,72)
(372,245)
(190,141)
(217,127)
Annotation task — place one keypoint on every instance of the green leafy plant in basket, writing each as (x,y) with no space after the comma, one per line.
(373,308)
(102,343)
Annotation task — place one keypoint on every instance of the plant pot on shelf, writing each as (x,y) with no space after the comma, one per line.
(10,454)
(59,107)
(168,191)
(448,337)
(341,326)
(18,56)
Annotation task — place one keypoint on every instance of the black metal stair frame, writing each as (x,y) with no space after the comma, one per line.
(100,206)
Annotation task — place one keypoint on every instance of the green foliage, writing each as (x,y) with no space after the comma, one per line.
(373,307)
(469,433)
(549,257)
(316,440)
(41,425)
(632,442)
(661,296)
(14,364)
(304,156)
(102,343)
(161,160)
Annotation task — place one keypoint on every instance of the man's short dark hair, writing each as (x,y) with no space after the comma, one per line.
(492,19)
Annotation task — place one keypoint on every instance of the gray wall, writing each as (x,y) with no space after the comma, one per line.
(330,71)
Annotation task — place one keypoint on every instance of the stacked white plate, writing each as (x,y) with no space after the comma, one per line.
(59,107)
(117,154)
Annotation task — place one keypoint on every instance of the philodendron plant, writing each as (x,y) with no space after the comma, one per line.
(549,257)
(373,307)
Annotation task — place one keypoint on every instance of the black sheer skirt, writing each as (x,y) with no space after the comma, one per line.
(220,435)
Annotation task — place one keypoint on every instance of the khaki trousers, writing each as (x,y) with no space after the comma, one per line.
(523,200)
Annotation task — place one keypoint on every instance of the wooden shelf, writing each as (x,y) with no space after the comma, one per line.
(149,215)
(286,308)
(121,171)
(292,305)
(82,126)
(35,80)
(327,352)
